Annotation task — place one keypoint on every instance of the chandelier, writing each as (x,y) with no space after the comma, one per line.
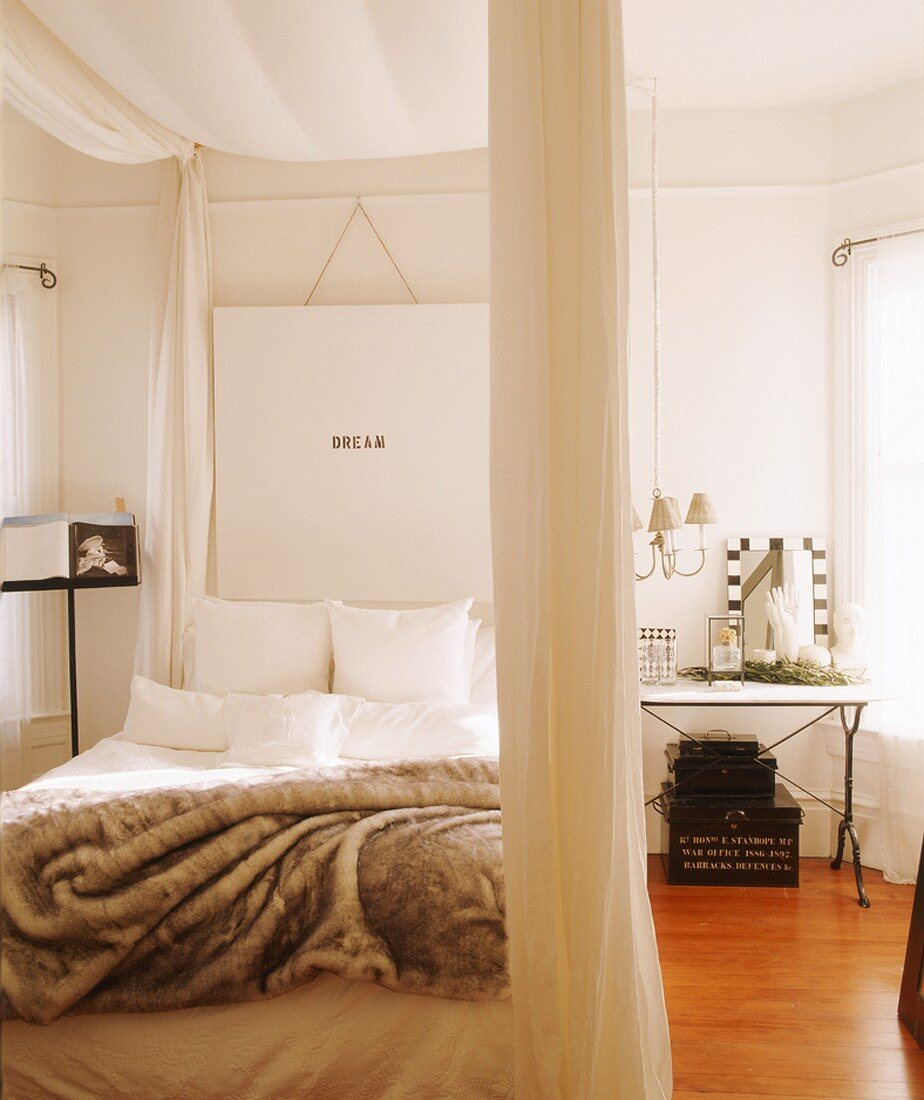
(665,511)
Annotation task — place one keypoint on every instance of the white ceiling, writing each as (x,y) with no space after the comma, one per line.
(772,53)
(335,79)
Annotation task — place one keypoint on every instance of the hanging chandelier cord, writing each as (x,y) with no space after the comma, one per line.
(655,286)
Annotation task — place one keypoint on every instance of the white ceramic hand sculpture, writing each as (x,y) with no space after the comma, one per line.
(783,614)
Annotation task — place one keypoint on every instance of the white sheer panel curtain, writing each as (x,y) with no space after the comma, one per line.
(895,334)
(587,999)
(180,426)
(17,496)
(879,514)
(51,86)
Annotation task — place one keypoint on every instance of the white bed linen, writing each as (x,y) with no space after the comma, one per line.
(329,1040)
(114,764)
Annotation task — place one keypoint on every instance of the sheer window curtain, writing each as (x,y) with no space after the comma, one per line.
(16,498)
(51,86)
(33,649)
(896,377)
(589,1018)
(880,521)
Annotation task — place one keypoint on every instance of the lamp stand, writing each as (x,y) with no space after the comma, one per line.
(72,670)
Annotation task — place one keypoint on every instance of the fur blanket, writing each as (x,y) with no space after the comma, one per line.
(174,897)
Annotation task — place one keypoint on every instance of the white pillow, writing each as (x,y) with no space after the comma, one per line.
(396,731)
(159,715)
(401,656)
(261,648)
(294,729)
(484,669)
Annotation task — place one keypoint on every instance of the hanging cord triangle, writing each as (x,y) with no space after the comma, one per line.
(360,209)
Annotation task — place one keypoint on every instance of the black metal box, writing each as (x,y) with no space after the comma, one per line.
(707,777)
(721,743)
(750,842)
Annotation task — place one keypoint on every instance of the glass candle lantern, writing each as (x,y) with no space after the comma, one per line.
(657,655)
(724,647)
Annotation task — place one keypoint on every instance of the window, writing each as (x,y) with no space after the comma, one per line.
(879,512)
(879,442)
(32,655)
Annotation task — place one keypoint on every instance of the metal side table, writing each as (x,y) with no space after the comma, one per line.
(843,700)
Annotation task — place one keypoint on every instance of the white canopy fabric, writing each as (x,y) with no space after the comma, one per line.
(292,79)
(68,100)
(45,81)
(589,1014)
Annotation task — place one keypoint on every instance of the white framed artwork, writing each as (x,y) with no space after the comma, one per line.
(352,452)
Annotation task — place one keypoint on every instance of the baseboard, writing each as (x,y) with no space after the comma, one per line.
(819,828)
(815,838)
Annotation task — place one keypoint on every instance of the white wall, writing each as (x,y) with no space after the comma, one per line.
(273,226)
(747,350)
(744,346)
(753,203)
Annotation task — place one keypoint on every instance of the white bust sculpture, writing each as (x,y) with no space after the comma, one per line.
(850,651)
(783,615)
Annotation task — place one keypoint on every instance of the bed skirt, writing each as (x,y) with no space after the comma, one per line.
(330,1040)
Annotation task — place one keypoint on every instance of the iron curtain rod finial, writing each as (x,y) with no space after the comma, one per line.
(46,275)
(844,251)
(841,254)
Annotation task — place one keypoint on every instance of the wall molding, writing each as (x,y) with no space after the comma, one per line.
(46,743)
(254,203)
(865,745)
(758,190)
(29,203)
(819,826)
(680,191)
(836,797)
(46,730)
(885,176)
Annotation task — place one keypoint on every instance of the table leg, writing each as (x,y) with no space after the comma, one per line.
(846,827)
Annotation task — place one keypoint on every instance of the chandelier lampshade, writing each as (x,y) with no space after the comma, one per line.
(665,515)
(701,510)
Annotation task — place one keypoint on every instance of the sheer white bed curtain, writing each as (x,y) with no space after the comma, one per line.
(880,516)
(51,86)
(589,1013)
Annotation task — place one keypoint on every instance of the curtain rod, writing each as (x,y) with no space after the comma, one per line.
(842,253)
(48,277)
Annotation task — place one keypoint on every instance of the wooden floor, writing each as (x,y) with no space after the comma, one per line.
(787,993)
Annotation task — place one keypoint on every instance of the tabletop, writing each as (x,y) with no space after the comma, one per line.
(696,693)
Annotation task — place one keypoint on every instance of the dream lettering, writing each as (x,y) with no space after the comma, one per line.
(358,442)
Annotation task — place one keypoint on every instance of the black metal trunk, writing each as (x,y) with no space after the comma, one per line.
(704,777)
(747,842)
